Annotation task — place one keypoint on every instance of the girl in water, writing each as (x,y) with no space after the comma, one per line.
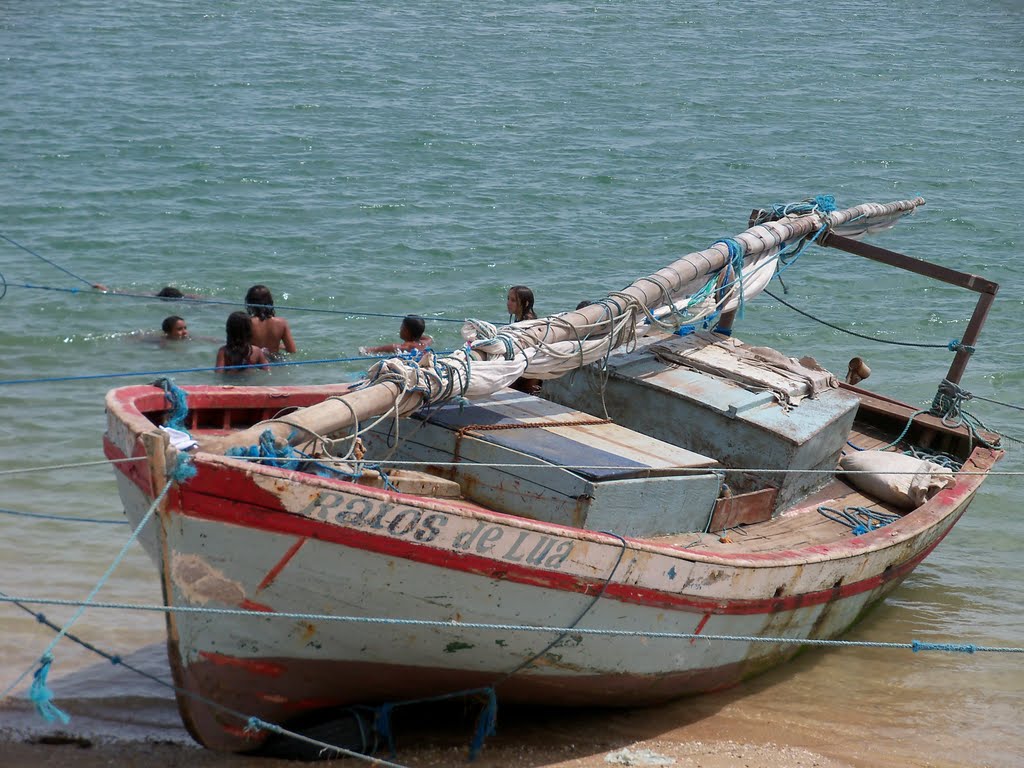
(238,348)
(519,303)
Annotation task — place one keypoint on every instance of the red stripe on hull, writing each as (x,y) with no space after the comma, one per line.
(225,511)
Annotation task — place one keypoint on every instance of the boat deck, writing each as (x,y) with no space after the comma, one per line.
(799,527)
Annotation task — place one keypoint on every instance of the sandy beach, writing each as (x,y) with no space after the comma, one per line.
(717,731)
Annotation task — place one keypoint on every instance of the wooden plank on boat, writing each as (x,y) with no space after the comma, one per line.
(743,509)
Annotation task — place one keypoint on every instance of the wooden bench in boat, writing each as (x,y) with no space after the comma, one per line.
(521,455)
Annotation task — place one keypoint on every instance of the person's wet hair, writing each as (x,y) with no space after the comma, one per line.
(259,303)
(415,325)
(238,329)
(583,304)
(170,292)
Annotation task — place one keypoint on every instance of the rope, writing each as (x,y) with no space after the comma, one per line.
(485,726)
(859,520)
(529,425)
(948,404)
(178,401)
(859,335)
(39,693)
(116,660)
(254,724)
(38,256)
(572,627)
(350,313)
(48,467)
(682,469)
(380,620)
(996,402)
(63,518)
(282,364)
(816,204)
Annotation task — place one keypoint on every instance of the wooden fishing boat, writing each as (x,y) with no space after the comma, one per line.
(548,549)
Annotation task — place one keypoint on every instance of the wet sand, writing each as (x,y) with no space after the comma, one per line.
(713,732)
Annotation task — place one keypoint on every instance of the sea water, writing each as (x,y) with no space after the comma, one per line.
(367,161)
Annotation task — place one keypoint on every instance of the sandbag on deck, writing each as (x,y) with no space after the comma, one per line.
(896,478)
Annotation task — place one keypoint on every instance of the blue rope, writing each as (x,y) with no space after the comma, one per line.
(52,264)
(859,520)
(920,645)
(820,203)
(184,370)
(486,724)
(267,452)
(352,313)
(736,267)
(178,400)
(42,697)
(39,692)
(184,470)
(63,518)
(382,724)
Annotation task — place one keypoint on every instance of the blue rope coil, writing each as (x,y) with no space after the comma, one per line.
(177,399)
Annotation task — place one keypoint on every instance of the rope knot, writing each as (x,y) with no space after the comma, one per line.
(184,470)
(956,346)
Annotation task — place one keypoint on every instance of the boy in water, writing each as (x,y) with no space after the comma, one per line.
(268,331)
(411,333)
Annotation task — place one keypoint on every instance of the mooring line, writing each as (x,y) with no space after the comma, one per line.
(63,518)
(915,645)
(47,467)
(45,658)
(51,263)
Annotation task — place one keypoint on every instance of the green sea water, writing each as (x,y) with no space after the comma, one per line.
(366,161)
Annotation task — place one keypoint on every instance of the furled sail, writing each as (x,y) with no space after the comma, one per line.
(695,287)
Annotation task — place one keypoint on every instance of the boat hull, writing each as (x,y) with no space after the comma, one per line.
(315,549)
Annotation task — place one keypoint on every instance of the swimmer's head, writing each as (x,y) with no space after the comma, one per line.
(175,328)
(259,303)
(412,328)
(169,292)
(520,303)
